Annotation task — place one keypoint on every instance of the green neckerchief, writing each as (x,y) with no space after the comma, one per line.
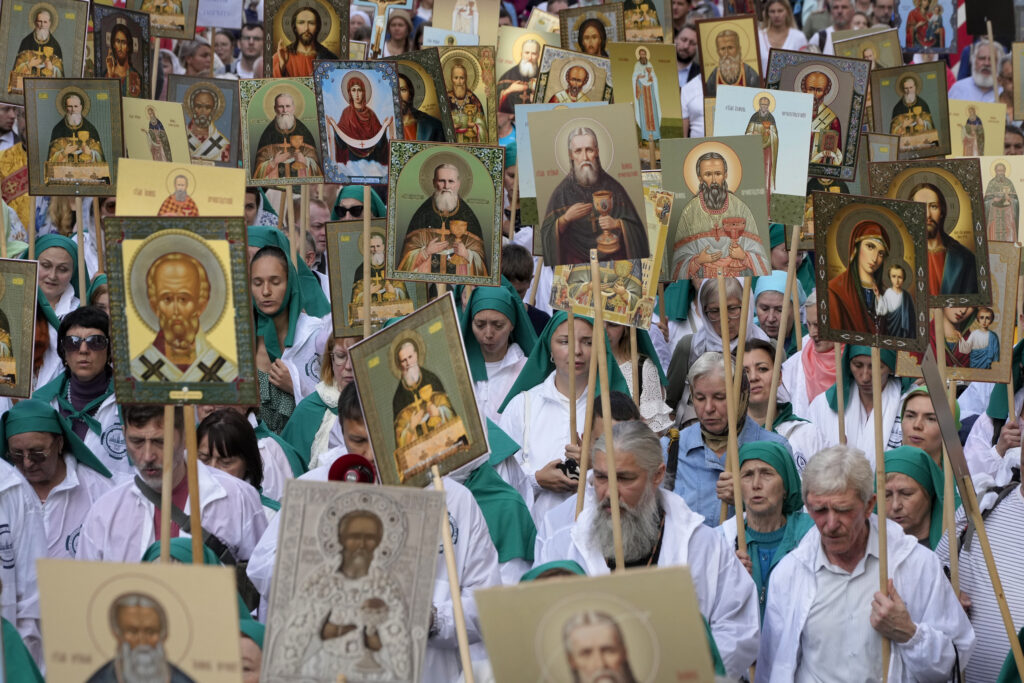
(47,310)
(920,467)
(539,364)
(645,347)
(798,523)
(36,415)
(851,351)
(678,296)
(784,413)
(294,458)
(270,502)
(265,325)
(502,445)
(19,666)
(508,519)
(506,301)
(302,426)
(314,302)
(57,388)
(998,407)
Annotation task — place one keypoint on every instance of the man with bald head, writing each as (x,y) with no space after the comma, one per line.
(205,142)
(826,129)
(575,79)
(178,292)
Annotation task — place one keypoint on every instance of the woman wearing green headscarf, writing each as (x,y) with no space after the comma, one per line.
(18,663)
(773,510)
(58,293)
(535,413)
(287,340)
(498,336)
(314,302)
(653,408)
(914,494)
(858,404)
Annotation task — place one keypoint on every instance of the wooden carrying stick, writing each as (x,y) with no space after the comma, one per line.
(798,332)
(573,434)
(513,205)
(454,585)
(166,486)
(83,279)
(537,268)
(741,340)
(606,420)
(588,428)
(948,502)
(304,220)
(634,359)
(156,65)
(289,207)
(840,396)
(780,344)
(883,563)
(192,449)
(366,262)
(732,457)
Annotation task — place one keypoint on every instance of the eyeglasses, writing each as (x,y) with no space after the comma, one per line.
(94,342)
(354,211)
(714,314)
(37,456)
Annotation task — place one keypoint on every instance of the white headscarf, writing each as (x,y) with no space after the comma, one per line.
(707,338)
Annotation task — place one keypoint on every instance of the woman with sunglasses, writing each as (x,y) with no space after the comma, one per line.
(349,204)
(84,392)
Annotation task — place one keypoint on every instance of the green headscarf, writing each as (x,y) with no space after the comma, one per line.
(781,461)
(920,467)
(253,630)
(1009,673)
(776,234)
(645,347)
(377,209)
(678,296)
(265,327)
(94,284)
(502,445)
(539,364)
(34,415)
(314,302)
(506,301)
(998,409)
(568,565)
(71,247)
(18,663)
(181,551)
(850,352)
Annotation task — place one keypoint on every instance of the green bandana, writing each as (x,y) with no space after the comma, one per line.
(253,630)
(998,408)
(94,284)
(567,565)
(645,347)
(920,467)
(506,301)
(539,364)
(35,415)
(781,461)
(57,389)
(67,244)
(18,663)
(678,296)
(502,445)
(314,302)
(784,413)
(849,353)
(776,234)
(508,519)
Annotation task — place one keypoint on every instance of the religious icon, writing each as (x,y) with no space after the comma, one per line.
(471,17)
(75,136)
(874,266)
(648,21)
(729,53)
(472,100)
(300,32)
(955,229)
(423,101)
(881,48)
(979,339)
(169,18)
(357,104)
(718,233)
(980,127)
(928,25)
(839,87)
(41,40)
(121,48)
(646,622)
(539,20)
(211,109)
(1002,177)
(157,188)
(422,409)
(360,612)
(105,620)
(280,136)
(911,102)
(594,203)
(567,77)
(519,62)
(1017,57)
(388,298)
(781,121)
(589,29)
(155,130)
(443,213)
(18,304)
(193,351)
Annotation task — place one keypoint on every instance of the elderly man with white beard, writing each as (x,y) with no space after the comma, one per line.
(444,234)
(277,156)
(980,85)
(516,85)
(731,69)
(32,59)
(139,625)
(65,143)
(658,529)
(205,142)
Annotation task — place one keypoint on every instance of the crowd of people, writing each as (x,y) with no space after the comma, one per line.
(801,602)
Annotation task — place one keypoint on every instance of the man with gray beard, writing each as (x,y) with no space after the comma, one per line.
(205,142)
(179,203)
(658,529)
(573,225)
(139,624)
(66,145)
(731,69)
(517,84)
(277,154)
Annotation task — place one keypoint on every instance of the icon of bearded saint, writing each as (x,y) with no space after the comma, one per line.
(118,62)
(516,86)
(731,69)
(287,148)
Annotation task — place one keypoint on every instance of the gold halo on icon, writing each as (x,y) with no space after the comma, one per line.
(734,168)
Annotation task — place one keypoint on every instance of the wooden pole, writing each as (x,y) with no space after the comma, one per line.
(192,451)
(949,504)
(156,65)
(213,60)
(588,429)
(83,278)
(289,207)
(3,245)
(538,267)
(303,219)
(780,346)
(606,411)
(634,359)
(454,585)
(883,563)
(166,487)
(97,224)
(366,262)
(661,307)
(573,434)
(840,395)
(513,205)
(732,448)
(741,340)
(992,59)
(797,330)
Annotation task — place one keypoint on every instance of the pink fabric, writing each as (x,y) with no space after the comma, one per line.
(819,370)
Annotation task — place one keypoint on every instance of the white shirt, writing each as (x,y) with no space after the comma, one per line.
(860,424)
(22,542)
(302,358)
(276,468)
(109,445)
(119,527)
(691,97)
(795,40)
(67,505)
(52,364)
(7,140)
(979,451)
(965,89)
(491,392)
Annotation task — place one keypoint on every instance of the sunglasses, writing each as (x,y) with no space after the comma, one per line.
(94,342)
(354,211)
